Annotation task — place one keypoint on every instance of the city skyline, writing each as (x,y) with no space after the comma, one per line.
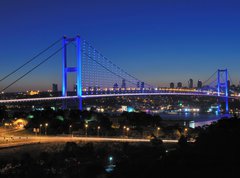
(158,42)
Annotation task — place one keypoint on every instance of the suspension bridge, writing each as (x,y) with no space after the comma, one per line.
(97,76)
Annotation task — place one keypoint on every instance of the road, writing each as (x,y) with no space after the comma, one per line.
(6,142)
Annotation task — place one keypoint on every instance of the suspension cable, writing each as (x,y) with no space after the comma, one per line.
(30,60)
(209,78)
(28,72)
(109,61)
(108,69)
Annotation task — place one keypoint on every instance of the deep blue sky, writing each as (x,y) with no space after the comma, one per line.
(156,40)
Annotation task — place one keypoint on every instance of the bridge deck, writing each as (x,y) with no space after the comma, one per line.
(112,94)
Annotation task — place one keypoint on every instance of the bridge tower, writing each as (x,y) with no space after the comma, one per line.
(222,86)
(77,69)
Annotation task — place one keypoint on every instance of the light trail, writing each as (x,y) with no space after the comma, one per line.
(19,141)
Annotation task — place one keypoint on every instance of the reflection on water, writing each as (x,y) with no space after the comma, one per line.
(199,119)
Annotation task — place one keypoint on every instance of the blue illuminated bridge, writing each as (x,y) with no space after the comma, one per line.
(97,77)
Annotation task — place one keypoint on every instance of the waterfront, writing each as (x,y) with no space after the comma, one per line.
(199,119)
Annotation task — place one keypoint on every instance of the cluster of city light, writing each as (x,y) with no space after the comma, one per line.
(31,93)
(177,89)
(139,93)
(190,109)
(113,89)
(87,127)
(100,109)
(168,90)
(138,89)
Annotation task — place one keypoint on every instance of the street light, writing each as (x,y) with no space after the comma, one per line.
(86,127)
(124,127)
(40,131)
(110,160)
(98,129)
(185,131)
(127,131)
(70,129)
(158,129)
(46,125)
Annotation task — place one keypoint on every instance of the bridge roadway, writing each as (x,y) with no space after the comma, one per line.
(96,95)
(7,142)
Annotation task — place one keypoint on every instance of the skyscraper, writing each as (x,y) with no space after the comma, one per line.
(54,87)
(229,84)
(190,83)
(142,85)
(199,84)
(138,84)
(123,83)
(75,87)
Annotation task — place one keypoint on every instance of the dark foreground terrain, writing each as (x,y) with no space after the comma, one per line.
(214,154)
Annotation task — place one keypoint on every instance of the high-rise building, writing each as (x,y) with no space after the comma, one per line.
(179,85)
(228,84)
(123,83)
(54,87)
(142,84)
(199,84)
(171,85)
(75,87)
(190,83)
(138,84)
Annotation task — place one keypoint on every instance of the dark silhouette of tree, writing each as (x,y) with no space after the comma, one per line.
(182,142)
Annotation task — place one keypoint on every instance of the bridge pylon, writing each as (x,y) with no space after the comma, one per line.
(222,86)
(77,69)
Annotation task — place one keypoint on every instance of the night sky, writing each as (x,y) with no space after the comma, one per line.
(159,41)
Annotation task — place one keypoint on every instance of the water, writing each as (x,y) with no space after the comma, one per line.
(197,118)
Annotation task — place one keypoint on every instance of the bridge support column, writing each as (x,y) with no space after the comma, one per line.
(64,66)
(222,87)
(77,69)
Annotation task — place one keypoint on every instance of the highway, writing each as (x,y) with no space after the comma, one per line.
(6,142)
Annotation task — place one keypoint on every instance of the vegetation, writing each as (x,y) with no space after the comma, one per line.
(215,153)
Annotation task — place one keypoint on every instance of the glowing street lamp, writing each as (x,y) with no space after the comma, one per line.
(70,129)
(46,125)
(124,127)
(86,127)
(158,129)
(110,159)
(40,129)
(185,131)
(127,131)
(98,129)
